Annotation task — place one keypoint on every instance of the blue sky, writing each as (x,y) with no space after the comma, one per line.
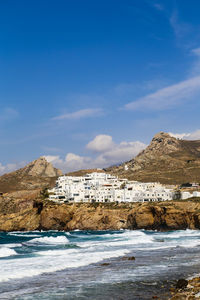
(88,83)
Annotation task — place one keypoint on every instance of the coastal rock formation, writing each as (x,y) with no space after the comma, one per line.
(167,160)
(36,175)
(40,215)
(189,290)
(160,218)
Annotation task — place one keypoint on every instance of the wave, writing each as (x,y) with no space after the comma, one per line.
(24,235)
(13,245)
(4,252)
(182,234)
(94,248)
(45,264)
(190,244)
(121,239)
(49,240)
(57,252)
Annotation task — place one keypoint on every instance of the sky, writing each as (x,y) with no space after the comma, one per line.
(89,83)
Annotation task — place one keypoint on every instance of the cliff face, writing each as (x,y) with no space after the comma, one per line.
(167,160)
(36,175)
(36,215)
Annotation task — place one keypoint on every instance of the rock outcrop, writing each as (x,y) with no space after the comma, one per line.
(40,215)
(167,160)
(36,175)
(186,289)
(40,167)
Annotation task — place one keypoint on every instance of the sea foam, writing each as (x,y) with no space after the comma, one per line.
(49,240)
(4,252)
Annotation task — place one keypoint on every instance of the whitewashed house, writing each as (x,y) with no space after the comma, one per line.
(102,187)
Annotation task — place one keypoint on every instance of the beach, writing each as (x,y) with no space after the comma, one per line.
(96,264)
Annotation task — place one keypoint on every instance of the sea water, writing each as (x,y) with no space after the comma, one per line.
(94,264)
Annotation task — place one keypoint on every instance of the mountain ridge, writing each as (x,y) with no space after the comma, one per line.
(167,159)
(37,174)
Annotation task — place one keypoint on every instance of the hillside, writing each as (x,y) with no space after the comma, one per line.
(36,175)
(167,160)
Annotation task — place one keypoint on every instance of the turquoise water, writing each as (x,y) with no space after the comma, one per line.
(94,264)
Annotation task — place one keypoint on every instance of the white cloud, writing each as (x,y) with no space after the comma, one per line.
(195,68)
(108,154)
(76,162)
(167,97)
(180,29)
(53,158)
(119,153)
(196,51)
(79,114)
(71,162)
(158,6)
(8,114)
(101,143)
(187,136)
(11,167)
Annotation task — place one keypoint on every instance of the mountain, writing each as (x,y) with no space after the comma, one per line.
(36,175)
(40,167)
(167,160)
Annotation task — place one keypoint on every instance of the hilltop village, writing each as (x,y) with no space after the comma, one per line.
(103,187)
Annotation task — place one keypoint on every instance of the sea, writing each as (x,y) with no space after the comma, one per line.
(96,264)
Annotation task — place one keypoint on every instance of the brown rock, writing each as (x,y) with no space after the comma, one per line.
(181,283)
(45,215)
(55,217)
(22,221)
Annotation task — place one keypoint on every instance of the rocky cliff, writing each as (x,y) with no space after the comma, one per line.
(167,160)
(36,175)
(38,215)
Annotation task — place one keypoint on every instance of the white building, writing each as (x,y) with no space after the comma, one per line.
(196,194)
(102,187)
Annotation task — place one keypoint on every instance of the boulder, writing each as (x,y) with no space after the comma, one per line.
(181,284)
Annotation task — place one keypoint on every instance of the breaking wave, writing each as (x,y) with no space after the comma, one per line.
(5,252)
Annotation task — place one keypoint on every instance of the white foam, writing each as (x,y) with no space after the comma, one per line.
(24,235)
(14,245)
(22,232)
(94,248)
(67,233)
(28,267)
(190,244)
(4,252)
(49,240)
(124,239)
(182,233)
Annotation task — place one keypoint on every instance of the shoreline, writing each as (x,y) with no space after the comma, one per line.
(147,276)
(190,289)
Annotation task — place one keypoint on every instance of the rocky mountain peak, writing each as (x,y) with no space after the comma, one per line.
(160,136)
(37,175)
(41,167)
(164,143)
(166,159)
